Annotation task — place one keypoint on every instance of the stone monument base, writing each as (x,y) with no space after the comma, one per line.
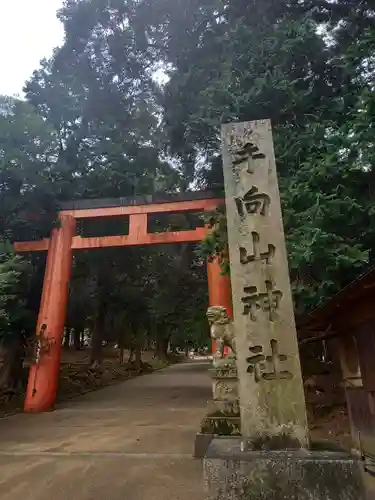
(232,474)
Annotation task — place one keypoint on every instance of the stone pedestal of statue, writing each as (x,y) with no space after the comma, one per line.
(225,388)
(223,412)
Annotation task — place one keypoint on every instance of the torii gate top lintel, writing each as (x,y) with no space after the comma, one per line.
(138,209)
(139,200)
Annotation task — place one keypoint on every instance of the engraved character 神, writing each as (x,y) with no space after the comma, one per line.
(268,301)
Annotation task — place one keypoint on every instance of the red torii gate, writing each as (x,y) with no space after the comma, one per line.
(43,377)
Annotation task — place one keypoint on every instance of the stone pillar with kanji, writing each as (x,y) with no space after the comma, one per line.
(270,382)
(272,459)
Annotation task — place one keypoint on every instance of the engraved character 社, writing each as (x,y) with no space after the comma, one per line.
(268,301)
(252,203)
(257,363)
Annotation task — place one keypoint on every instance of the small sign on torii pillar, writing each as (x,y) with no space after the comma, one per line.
(270,383)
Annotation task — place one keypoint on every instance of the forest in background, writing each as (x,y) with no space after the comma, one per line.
(131,104)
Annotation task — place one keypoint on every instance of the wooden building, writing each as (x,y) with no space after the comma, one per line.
(349,319)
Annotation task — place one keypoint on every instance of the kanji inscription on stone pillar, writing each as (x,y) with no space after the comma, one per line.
(270,383)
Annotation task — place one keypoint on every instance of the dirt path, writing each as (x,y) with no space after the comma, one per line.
(132,441)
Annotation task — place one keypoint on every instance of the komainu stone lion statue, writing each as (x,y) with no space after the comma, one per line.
(222,331)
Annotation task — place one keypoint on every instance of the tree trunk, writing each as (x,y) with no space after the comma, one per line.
(138,357)
(96,357)
(147,343)
(165,346)
(162,344)
(66,342)
(12,364)
(121,342)
(131,355)
(77,335)
(122,355)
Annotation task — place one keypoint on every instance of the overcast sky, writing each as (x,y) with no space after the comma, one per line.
(29,31)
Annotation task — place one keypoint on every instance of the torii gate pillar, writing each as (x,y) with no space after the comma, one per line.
(219,291)
(43,378)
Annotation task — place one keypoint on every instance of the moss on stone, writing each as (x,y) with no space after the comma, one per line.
(221,423)
(276,442)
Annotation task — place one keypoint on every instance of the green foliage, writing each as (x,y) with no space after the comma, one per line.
(215,244)
(12,308)
(27,173)
(325,213)
(267,59)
